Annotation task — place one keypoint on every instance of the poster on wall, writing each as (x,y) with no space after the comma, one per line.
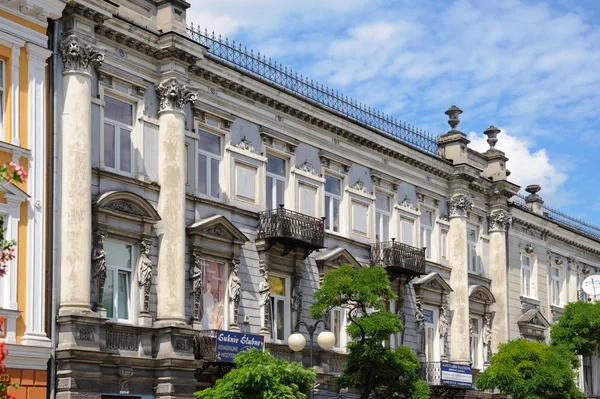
(213,295)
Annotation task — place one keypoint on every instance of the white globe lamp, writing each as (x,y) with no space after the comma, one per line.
(296,342)
(326,340)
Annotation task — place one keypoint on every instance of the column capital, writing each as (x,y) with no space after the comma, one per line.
(79,57)
(173,95)
(459,206)
(499,220)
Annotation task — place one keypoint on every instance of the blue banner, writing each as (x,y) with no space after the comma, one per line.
(231,343)
(457,375)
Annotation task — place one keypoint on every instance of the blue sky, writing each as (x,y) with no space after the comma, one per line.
(531,68)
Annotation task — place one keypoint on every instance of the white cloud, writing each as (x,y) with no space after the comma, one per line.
(527,166)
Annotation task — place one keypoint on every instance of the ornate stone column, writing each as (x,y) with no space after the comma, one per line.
(170,288)
(458,209)
(75,157)
(498,221)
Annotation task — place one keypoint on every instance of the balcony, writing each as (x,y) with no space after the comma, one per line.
(446,378)
(399,259)
(292,230)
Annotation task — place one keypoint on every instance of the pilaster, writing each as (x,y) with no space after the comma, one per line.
(459,206)
(15,63)
(75,154)
(173,96)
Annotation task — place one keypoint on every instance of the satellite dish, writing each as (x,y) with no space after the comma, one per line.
(591,285)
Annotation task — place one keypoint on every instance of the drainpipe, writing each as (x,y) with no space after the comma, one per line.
(53,29)
(507,276)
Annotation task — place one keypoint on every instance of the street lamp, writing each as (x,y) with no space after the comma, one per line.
(297,342)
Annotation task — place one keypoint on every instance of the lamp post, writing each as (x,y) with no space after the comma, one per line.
(297,342)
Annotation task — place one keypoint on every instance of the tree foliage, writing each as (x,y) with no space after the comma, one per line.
(578,329)
(259,375)
(531,370)
(377,371)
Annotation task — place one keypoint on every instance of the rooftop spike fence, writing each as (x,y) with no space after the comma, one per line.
(257,65)
(579,226)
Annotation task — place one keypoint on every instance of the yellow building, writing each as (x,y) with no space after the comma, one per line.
(25,139)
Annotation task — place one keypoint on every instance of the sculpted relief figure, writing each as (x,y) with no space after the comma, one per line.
(145,274)
(99,266)
(196,285)
(235,291)
(264,292)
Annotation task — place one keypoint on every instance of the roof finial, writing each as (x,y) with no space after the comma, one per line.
(453,112)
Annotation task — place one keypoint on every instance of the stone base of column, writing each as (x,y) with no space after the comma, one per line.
(196,325)
(175,343)
(170,323)
(75,309)
(145,320)
(36,339)
(234,327)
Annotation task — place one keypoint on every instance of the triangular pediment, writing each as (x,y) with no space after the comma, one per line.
(217,227)
(434,282)
(337,257)
(533,317)
(12,193)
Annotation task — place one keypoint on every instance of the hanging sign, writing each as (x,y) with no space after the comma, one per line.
(231,343)
(591,285)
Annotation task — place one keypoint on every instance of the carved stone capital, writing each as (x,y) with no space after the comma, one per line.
(499,220)
(174,95)
(459,206)
(79,57)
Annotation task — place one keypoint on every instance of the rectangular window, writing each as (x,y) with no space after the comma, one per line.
(407,227)
(333,197)
(555,286)
(426,231)
(432,341)
(276,179)
(307,199)
(118,125)
(213,295)
(279,309)
(383,205)
(444,244)
(526,274)
(581,295)
(117,286)
(338,327)
(2,96)
(472,257)
(209,159)
(475,343)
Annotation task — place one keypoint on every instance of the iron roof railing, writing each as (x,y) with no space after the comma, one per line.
(259,66)
(563,219)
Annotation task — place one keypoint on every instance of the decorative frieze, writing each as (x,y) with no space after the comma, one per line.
(85,334)
(78,57)
(174,95)
(459,206)
(499,220)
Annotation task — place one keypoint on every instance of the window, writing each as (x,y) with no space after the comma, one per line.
(117,287)
(279,308)
(338,327)
(213,295)
(383,205)
(275,181)
(209,158)
(472,256)
(407,231)
(555,286)
(1,96)
(333,197)
(444,244)
(118,125)
(307,199)
(581,295)
(426,231)
(475,328)
(432,340)
(526,276)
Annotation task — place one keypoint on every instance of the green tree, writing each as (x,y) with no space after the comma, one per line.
(377,371)
(259,375)
(531,370)
(578,329)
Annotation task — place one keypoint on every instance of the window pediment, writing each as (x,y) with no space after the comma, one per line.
(12,193)
(480,293)
(126,204)
(337,257)
(433,282)
(533,324)
(217,227)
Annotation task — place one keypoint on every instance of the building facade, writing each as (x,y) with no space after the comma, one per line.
(201,188)
(25,208)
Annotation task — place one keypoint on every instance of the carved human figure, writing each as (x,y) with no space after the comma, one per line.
(196,284)
(420,318)
(99,266)
(264,292)
(235,291)
(444,328)
(487,336)
(297,296)
(145,274)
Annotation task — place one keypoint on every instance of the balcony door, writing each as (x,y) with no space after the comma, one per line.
(432,337)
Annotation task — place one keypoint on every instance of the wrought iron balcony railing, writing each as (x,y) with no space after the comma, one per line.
(399,259)
(292,229)
(431,373)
